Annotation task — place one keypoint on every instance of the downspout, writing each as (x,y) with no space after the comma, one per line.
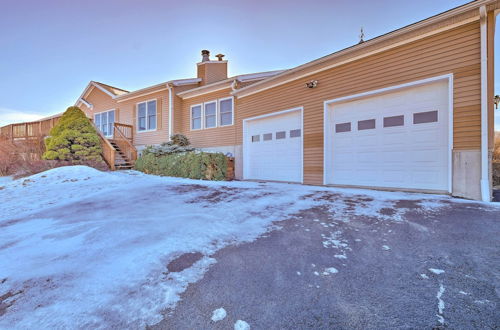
(485,179)
(170,111)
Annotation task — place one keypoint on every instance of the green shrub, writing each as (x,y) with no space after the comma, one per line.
(73,138)
(178,144)
(193,165)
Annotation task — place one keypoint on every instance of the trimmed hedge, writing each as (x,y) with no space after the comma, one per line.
(193,165)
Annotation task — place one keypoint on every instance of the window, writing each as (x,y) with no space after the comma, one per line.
(146,116)
(255,138)
(267,136)
(366,124)
(295,133)
(210,114)
(105,121)
(425,117)
(226,111)
(196,117)
(280,135)
(394,121)
(344,127)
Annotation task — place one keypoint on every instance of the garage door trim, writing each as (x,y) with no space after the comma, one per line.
(272,114)
(327,129)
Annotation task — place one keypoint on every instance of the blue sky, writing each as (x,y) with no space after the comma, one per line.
(51,49)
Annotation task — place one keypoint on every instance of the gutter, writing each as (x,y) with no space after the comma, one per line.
(485,178)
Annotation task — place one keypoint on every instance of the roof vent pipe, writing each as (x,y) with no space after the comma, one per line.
(205,55)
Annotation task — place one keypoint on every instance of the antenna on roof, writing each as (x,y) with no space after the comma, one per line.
(361,36)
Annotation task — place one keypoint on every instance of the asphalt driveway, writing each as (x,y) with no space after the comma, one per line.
(330,267)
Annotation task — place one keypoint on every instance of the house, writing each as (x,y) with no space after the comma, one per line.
(410,110)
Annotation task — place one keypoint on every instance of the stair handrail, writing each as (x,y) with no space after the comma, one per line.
(127,147)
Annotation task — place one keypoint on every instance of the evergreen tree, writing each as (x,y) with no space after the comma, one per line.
(73,138)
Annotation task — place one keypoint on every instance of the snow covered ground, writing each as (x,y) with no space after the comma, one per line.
(81,248)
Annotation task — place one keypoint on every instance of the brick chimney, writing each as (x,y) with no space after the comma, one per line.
(211,71)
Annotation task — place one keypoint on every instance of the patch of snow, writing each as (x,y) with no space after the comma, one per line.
(385,247)
(316,273)
(440,303)
(241,325)
(4,180)
(358,240)
(299,273)
(313,265)
(89,249)
(424,276)
(484,301)
(463,292)
(331,270)
(340,256)
(219,314)
(436,271)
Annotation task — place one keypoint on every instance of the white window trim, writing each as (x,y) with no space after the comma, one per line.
(232,110)
(147,119)
(191,116)
(216,114)
(100,113)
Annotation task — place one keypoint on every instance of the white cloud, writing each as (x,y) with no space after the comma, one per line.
(10,116)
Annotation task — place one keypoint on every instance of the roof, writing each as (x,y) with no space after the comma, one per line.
(227,83)
(455,16)
(114,90)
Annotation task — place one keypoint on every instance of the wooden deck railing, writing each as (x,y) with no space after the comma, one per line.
(127,131)
(124,142)
(30,130)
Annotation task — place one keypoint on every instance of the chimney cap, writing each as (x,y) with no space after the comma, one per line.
(220,56)
(205,55)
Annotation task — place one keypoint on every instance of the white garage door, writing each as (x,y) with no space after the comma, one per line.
(397,140)
(273,147)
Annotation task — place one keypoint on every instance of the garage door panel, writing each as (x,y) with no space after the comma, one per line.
(278,159)
(412,155)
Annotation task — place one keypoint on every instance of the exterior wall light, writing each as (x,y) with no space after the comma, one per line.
(312,84)
(497,101)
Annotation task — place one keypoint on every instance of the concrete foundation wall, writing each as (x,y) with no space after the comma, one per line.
(467,174)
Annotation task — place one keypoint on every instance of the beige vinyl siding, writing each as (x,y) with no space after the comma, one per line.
(100,101)
(455,51)
(128,115)
(210,137)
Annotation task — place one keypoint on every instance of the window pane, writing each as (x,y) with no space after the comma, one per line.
(196,123)
(295,133)
(344,127)
(141,113)
(425,117)
(111,116)
(366,124)
(142,109)
(152,122)
(196,111)
(280,135)
(226,106)
(394,121)
(210,109)
(268,136)
(142,123)
(226,118)
(255,138)
(97,120)
(210,121)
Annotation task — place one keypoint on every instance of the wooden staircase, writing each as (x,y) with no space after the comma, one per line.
(122,162)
